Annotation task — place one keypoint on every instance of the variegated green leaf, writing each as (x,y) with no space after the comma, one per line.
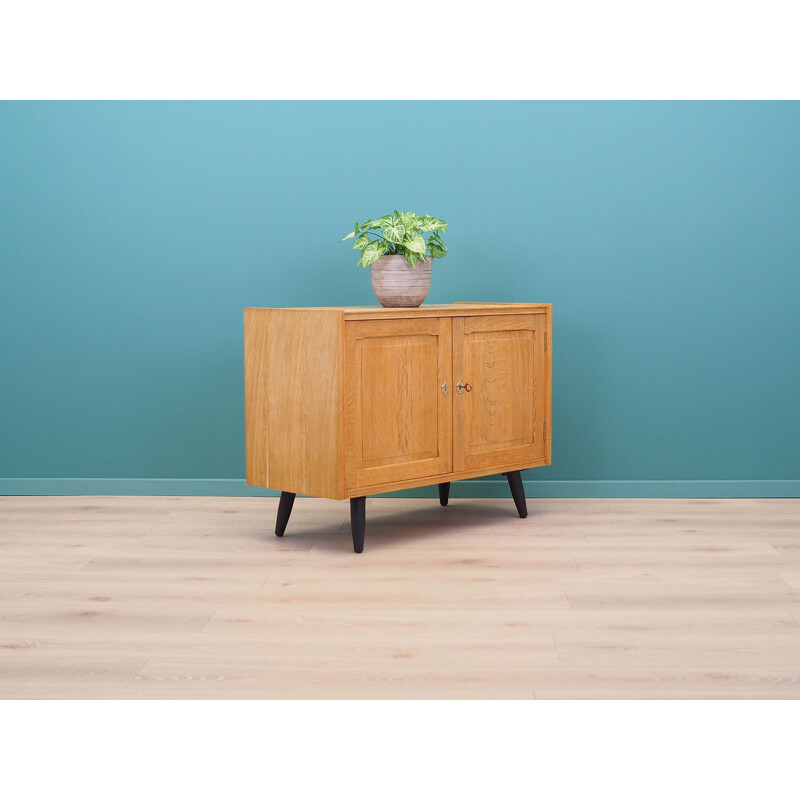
(411,258)
(437,251)
(372,252)
(432,224)
(393,230)
(361,242)
(349,236)
(414,242)
(410,220)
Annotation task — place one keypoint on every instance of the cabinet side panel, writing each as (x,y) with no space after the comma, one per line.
(255,395)
(305,408)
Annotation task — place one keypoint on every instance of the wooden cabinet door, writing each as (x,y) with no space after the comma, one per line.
(499,418)
(398,421)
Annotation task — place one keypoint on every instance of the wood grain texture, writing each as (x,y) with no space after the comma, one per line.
(500,422)
(191,597)
(460,475)
(256,378)
(548,362)
(445,310)
(398,423)
(434,310)
(301,376)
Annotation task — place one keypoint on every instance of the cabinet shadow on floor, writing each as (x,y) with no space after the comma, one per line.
(392,522)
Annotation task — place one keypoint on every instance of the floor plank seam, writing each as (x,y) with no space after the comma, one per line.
(138,673)
(21,597)
(783,580)
(264,582)
(208,622)
(555,644)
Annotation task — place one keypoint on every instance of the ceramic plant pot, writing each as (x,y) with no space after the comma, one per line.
(397,284)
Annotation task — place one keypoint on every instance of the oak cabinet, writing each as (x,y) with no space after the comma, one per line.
(346,402)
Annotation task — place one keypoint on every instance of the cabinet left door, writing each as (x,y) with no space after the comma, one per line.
(398,413)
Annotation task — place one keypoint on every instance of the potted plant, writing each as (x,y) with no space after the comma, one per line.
(400,258)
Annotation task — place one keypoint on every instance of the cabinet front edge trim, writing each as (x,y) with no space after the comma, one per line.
(444,477)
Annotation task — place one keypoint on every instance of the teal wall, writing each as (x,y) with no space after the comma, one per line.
(666,235)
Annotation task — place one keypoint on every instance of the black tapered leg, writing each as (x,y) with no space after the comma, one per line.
(518,492)
(444,493)
(284,512)
(358,521)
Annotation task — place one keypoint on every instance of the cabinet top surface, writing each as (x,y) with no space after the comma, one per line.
(457,309)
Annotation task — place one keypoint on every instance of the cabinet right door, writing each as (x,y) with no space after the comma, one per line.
(499,418)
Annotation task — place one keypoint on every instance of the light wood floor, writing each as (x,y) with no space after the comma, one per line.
(187,597)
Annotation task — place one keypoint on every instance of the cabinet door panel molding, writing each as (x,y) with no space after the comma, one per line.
(397,422)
